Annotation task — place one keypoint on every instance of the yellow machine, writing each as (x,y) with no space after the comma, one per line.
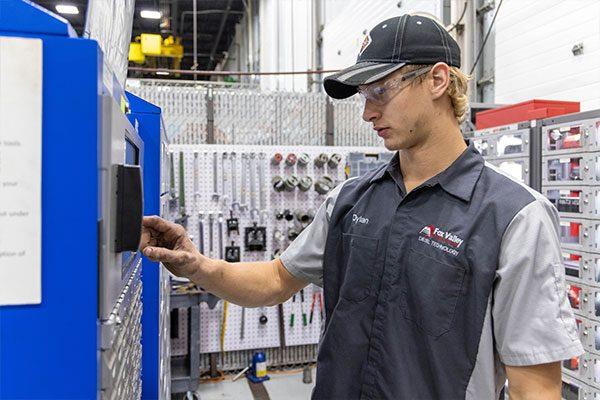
(155,52)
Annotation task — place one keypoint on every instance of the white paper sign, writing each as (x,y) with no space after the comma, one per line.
(20,171)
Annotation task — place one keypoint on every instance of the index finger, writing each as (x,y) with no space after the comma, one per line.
(158,224)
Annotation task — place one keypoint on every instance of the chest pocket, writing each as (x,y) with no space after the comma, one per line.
(431,290)
(361,268)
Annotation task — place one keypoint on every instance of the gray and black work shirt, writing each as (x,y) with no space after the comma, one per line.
(428,295)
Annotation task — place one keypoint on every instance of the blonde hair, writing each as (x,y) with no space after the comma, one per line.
(457,89)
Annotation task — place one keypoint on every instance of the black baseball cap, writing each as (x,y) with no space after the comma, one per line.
(392,44)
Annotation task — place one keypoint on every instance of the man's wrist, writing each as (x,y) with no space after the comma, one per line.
(204,270)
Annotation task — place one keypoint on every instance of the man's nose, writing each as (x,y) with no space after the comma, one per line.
(371,112)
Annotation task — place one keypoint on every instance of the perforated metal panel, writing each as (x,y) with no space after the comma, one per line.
(260,205)
(122,361)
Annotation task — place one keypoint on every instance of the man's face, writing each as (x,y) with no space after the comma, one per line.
(400,120)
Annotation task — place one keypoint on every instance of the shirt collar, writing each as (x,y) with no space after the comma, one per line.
(458,179)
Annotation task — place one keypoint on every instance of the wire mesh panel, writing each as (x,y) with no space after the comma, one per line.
(183,107)
(348,126)
(262,118)
(245,115)
(301,119)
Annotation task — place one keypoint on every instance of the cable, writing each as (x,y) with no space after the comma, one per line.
(459,18)
(487,35)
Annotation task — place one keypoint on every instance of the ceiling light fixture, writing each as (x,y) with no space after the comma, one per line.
(66,9)
(162,72)
(150,14)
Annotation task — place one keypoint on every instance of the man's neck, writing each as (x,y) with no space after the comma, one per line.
(427,159)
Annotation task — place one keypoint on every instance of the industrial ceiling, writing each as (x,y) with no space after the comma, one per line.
(216,21)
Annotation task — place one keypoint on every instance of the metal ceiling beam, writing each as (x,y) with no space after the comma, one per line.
(218,39)
(205,12)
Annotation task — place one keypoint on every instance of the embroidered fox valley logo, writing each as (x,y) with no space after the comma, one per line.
(442,240)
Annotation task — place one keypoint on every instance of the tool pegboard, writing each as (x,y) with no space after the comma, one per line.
(251,202)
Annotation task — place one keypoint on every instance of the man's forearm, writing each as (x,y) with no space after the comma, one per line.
(249,284)
(534,382)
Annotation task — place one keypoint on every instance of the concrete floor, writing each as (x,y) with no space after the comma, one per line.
(281,386)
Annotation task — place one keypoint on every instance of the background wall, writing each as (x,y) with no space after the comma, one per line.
(286,40)
(534,39)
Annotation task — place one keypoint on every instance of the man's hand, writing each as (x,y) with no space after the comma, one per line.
(169,243)
(249,284)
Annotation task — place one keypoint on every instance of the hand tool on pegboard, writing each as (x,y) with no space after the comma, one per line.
(173,201)
(334,160)
(255,238)
(211,222)
(302,307)
(201,232)
(321,160)
(305,183)
(276,159)
(303,160)
(312,307)
(291,182)
(235,205)
(215,194)
(220,233)
(183,217)
(233,224)
(196,183)
(262,319)
(223,325)
(224,178)
(278,183)
(243,186)
(243,323)
(261,189)
(253,208)
(293,312)
(281,326)
(291,159)
(316,298)
(324,185)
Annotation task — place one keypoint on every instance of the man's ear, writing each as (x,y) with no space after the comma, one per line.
(439,80)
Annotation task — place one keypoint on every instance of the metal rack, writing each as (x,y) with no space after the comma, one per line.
(509,148)
(560,157)
(570,150)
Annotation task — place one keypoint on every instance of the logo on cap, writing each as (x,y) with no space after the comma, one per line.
(366,42)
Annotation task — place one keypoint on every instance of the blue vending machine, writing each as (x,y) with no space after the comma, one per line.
(156,357)
(81,338)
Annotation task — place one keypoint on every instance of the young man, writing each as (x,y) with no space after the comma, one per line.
(442,276)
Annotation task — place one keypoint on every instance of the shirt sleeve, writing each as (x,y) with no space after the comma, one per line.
(533,321)
(304,256)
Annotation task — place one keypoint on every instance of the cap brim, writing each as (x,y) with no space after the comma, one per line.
(344,83)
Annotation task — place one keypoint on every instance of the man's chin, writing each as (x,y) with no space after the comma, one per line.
(393,145)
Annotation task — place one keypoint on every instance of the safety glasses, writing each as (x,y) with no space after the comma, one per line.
(380,93)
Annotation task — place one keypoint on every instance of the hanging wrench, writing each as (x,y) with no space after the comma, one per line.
(253,210)
(243,189)
(262,198)
(220,233)
(215,178)
(234,201)
(201,232)
(224,179)
(211,221)
(196,189)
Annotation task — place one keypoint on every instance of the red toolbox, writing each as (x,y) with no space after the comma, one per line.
(525,111)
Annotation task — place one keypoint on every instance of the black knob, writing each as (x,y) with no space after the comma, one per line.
(263,319)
